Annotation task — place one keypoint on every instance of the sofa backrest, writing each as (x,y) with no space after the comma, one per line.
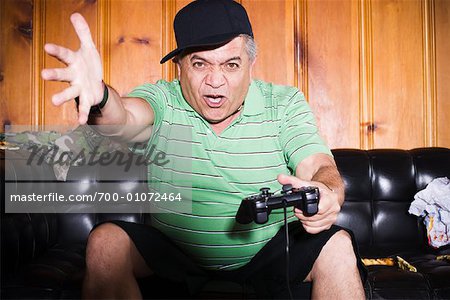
(380,185)
(28,235)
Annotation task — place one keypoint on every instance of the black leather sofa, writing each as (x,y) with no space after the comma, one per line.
(42,255)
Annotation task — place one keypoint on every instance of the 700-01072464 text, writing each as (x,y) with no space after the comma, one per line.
(97,197)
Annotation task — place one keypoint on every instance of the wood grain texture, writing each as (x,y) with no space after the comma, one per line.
(398,74)
(273,28)
(442,17)
(429,68)
(375,72)
(59,30)
(136,43)
(333,70)
(16,35)
(169,9)
(366,129)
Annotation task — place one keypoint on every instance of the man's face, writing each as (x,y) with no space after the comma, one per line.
(215,82)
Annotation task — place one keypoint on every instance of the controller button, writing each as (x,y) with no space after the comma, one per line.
(265,191)
(287,188)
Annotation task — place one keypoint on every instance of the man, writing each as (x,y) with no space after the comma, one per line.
(245,134)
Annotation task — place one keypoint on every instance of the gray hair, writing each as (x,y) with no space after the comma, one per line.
(250,46)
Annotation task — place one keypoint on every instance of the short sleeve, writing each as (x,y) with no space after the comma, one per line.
(299,135)
(156,95)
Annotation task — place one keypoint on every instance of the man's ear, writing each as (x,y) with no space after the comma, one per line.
(252,64)
(178,68)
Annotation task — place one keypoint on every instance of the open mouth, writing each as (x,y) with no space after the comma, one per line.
(214,100)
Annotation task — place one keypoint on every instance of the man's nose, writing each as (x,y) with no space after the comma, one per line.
(215,78)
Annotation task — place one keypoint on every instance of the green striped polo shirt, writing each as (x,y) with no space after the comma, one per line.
(274,132)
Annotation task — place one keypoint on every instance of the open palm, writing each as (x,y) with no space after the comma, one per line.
(83,70)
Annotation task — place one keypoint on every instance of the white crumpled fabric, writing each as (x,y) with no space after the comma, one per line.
(433,203)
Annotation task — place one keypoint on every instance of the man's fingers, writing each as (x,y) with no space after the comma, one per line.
(319,216)
(84,67)
(83,112)
(66,95)
(295,181)
(315,230)
(318,223)
(314,226)
(63,54)
(61,74)
(82,30)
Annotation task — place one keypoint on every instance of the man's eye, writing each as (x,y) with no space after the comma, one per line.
(198,64)
(232,66)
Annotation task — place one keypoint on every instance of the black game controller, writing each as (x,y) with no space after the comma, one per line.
(258,207)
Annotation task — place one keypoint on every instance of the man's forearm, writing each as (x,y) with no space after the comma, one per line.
(113,111)
(125,119)
(329,176)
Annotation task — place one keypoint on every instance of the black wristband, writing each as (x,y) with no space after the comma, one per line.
(105,97)
(96,109)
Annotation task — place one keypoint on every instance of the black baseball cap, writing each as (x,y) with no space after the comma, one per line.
(208,23)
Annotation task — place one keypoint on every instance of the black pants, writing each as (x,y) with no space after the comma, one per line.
(266,272)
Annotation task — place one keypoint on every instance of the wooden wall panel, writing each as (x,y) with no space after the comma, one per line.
(398,74)
(278,35)
(179,4)
(170,9)
(15,62)
(273,27)
(375,71)
(333,70)
(442,17)
(58,29)
(135,43)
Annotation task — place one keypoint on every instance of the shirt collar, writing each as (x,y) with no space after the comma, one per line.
(253,104)
(180,97)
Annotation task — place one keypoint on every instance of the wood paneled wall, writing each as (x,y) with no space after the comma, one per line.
(375,72)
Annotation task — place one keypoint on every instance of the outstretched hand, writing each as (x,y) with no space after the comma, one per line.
(329,207)
(83,71)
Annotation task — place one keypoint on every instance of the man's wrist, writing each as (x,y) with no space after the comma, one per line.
(328,187)
(105,97)
(96,109)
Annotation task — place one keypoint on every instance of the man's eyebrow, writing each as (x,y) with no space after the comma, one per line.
(233,58)
(195,56)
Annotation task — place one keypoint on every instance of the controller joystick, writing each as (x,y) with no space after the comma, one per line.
(258,207)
